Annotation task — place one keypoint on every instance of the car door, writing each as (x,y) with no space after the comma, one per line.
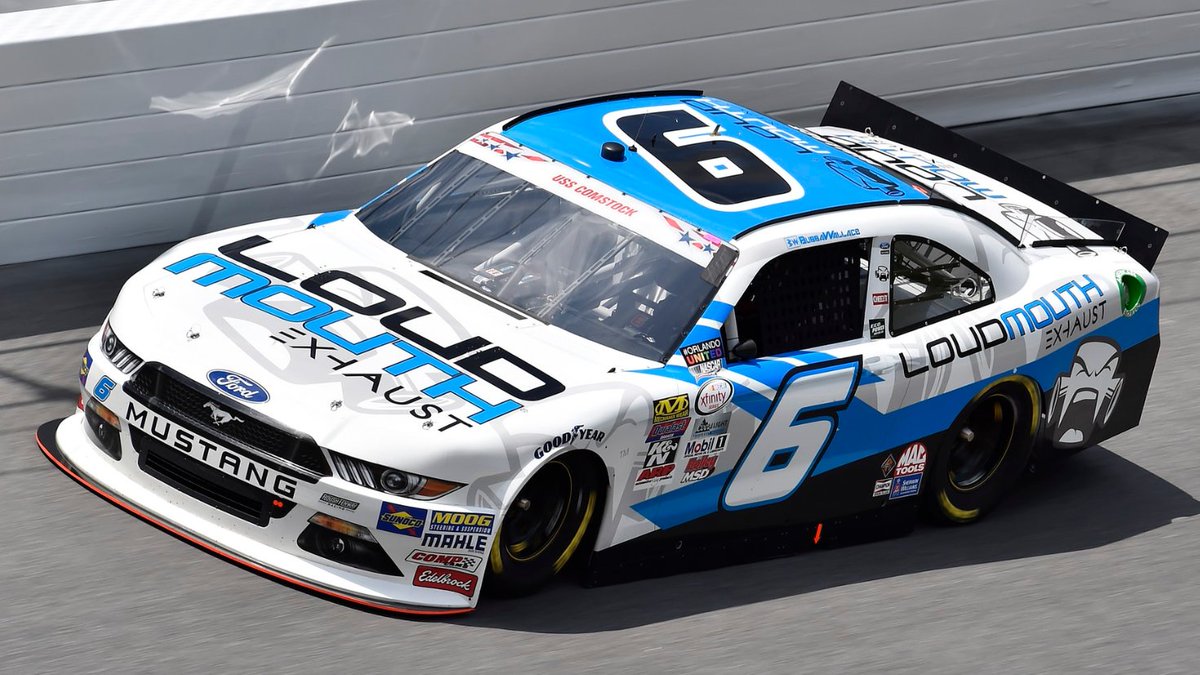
(800,335)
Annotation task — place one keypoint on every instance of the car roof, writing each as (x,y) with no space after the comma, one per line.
(753,170)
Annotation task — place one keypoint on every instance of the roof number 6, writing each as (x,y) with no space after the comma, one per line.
(716,170)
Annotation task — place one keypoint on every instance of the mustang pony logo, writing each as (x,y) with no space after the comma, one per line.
(219,416)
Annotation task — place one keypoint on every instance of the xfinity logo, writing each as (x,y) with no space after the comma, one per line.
(219,416)
(238,387)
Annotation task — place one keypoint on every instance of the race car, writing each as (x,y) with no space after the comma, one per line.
(626,336)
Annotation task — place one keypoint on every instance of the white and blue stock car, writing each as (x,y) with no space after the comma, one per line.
(633,335)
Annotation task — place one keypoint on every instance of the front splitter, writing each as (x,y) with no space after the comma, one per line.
(46,436)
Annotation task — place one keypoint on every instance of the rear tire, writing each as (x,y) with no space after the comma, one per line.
(986,451)
(548,522)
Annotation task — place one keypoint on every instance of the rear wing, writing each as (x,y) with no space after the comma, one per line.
(855,109)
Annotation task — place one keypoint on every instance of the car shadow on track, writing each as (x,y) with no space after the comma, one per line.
(47,296)
(1091,500)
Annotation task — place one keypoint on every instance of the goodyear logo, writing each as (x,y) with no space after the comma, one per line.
(401,519)
(470,523)
(673,408)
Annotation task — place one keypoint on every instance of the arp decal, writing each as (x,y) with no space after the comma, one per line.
(1083,399)
(401,519)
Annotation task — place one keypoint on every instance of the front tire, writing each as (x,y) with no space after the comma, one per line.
(550,519)
(986,451)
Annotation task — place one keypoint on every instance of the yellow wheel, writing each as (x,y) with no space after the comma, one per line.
(550,520)
(986,451)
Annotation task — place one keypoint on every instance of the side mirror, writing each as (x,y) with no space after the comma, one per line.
(745,350)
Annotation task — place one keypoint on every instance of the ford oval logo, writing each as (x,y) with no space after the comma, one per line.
(238,387)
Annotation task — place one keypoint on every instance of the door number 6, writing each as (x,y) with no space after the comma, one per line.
(794,434)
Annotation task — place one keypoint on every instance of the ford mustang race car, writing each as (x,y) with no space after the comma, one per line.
(632,335)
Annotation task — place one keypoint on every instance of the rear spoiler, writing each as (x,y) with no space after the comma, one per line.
(854,109)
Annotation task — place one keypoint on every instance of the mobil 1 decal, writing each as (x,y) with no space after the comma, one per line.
(794,434)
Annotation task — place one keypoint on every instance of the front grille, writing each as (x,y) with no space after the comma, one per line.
(197,479)
(171,394)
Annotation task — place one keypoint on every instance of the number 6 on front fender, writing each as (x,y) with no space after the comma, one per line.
(793,435)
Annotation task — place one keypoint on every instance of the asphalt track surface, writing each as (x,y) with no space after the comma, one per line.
(1091,566)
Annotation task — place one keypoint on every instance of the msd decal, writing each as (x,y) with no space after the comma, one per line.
(462,363)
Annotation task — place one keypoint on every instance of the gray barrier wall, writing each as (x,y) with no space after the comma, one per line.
(132,122)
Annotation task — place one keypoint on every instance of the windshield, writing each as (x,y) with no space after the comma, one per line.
(542,255)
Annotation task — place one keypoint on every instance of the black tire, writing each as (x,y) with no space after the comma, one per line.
(551,519)
(985,452)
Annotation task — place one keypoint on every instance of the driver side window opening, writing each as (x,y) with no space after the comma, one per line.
(806,298)
(931,283)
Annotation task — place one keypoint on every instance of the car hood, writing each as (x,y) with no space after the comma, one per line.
(245,303)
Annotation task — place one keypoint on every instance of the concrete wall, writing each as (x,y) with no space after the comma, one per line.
(141,121)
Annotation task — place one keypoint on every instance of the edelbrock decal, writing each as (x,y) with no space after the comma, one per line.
(238,387)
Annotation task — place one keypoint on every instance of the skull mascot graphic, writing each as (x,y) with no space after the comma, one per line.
(1083,399)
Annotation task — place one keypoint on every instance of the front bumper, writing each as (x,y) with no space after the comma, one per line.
(266,550)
